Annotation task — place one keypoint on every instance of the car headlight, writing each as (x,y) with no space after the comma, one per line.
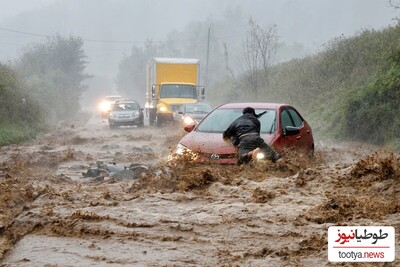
(180,149)
(104,106)
(188,120)
(260,156)
(185,153)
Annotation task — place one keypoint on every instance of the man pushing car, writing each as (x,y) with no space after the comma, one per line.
(244,133)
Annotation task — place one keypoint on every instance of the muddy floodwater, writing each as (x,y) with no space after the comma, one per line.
(60,205)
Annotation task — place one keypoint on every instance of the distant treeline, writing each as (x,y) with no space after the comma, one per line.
(349,91)
(40,88)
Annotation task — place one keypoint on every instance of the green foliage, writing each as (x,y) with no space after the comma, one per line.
(351,90)
(43,87)
(371,114)
(53,75)
(14,107)
(12,133)
(20,119)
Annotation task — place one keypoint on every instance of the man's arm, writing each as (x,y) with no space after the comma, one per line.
(229,132)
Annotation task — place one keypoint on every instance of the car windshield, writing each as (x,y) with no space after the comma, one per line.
(178,91)
(125,106)
(197,109)
(112,98)
(220,119)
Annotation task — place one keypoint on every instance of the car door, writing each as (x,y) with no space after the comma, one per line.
(290,117)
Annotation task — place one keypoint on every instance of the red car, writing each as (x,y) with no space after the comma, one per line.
(281,127)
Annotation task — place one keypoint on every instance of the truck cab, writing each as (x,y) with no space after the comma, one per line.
(171,82)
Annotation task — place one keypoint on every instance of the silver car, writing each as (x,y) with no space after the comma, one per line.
(191,113)
(126,112)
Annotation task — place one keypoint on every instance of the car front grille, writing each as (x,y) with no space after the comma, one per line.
(124,116)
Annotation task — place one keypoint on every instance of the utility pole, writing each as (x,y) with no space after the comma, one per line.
(208,54)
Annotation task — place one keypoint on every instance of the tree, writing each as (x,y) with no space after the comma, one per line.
(53,75)
(394,3)
(131,77)
(259,52)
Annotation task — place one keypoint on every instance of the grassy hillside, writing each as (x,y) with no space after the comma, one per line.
(351,90)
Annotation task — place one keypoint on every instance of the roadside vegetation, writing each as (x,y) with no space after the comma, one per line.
(40,88)
(348,91)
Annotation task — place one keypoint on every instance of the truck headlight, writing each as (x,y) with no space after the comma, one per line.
(162,108)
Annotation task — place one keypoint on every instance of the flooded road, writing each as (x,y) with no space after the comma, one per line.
(158,214)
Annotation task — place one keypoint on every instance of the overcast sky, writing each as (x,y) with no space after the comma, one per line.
(309,22)
(9,8)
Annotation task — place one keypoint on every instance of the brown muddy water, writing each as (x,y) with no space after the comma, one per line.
(182,214)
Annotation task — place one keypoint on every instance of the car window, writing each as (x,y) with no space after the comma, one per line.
(203,109)
(285,119)
(298,121)
(112,98)
(189,109)
(268,121)
(178,91)
(220,119)
(126,106)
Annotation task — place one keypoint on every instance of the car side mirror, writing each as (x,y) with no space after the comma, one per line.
(202,92)
(291,130)
(189,128)
(153,91)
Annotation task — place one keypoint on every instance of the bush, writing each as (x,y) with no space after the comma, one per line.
(16,133)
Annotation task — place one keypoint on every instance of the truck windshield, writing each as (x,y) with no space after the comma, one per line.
(178,91)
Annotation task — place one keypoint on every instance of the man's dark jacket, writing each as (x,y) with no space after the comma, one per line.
(245,124)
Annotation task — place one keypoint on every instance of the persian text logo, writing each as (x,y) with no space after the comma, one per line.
(361,243)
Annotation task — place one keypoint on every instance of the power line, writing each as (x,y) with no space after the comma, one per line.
(84,39)
(94,40)
(28,33)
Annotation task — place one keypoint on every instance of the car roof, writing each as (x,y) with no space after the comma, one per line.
(196,104)
(126,101)
(255,105)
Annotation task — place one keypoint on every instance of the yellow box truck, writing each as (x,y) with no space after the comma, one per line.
(171,82)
